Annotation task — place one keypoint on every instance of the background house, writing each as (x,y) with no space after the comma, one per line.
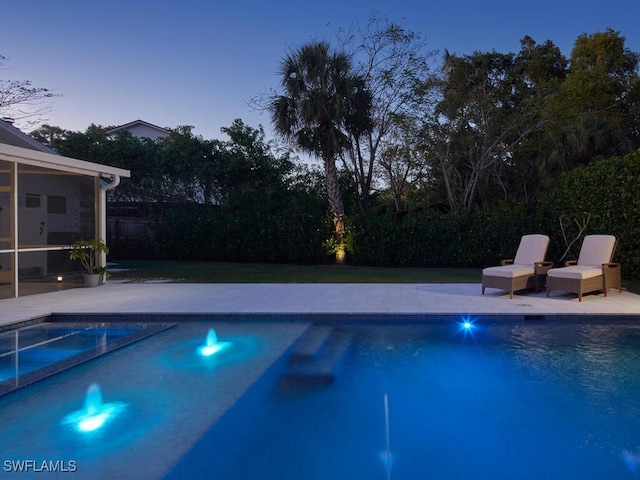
(141,129)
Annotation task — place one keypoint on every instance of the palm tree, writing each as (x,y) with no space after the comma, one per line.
(322,102)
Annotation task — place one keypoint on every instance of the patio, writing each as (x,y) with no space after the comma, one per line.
(310,299)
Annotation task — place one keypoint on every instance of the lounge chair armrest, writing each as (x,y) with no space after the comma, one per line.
(611,276)
(570,262)
(508,261)
(542,267)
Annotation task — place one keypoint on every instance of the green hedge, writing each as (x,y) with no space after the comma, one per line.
(183,232)
(429,239)
(606,196)
(606,192)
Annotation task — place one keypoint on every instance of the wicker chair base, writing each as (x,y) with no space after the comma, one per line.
(611,278)
(512,284)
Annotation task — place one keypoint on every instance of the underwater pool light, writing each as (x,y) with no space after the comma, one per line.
(467,325)
(90,422)
(212,345)
(208,350)
(95,413)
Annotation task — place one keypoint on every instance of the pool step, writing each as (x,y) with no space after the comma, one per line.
(318,354)
(310,343)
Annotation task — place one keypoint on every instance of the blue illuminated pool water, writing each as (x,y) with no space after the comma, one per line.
(36,350)
(505,399)
(525,401)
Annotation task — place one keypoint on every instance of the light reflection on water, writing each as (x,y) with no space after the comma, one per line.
(597,360)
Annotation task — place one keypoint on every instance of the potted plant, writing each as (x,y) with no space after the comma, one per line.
(89,253)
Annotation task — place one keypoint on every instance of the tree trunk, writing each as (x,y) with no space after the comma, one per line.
(337,206)
(443,157)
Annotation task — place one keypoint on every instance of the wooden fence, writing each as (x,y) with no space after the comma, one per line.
(128,228)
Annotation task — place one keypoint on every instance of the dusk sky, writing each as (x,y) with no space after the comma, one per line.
(198,62)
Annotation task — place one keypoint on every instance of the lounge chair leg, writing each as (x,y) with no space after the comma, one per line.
(483,287)
(548,292)
(511,294)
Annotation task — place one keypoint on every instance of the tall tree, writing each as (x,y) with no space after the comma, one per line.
(87,146)
(402,163)
(487,110)
(598,104)
(323,103)
(249,170)
(186,162)
(394,63)
(48,134)
(21,101)
(539,70)
(139,155)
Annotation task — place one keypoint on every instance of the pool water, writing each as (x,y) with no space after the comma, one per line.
(37,350)
(526,401)
(431,400)
(164,393)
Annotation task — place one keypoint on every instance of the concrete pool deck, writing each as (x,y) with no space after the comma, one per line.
(311,299)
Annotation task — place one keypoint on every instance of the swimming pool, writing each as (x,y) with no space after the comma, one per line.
(37,349)
(402,398)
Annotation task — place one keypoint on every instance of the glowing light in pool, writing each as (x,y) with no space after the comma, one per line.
(95,413)
(212,345)
(467,325)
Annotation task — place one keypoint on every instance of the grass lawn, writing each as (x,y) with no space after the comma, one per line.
(214,272)
(221,272)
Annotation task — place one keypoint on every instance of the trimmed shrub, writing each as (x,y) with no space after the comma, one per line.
(604,197)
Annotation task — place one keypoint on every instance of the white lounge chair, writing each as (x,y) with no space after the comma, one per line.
(526,270)
(593,271)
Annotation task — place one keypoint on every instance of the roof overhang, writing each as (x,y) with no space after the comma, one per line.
(58,162)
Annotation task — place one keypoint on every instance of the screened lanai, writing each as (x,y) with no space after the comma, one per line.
(48,201)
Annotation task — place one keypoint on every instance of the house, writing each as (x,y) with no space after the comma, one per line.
(10,135)
(47,201)
(141,129)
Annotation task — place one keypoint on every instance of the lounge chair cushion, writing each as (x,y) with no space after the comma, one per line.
(531,250)
(509,271)
(577,272)
(596,250)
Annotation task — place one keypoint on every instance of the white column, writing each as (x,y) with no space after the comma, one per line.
(102,215)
